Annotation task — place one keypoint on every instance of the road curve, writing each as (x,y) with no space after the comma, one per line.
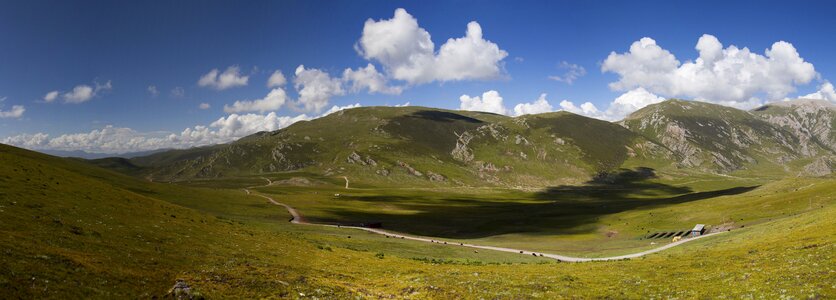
(297,219)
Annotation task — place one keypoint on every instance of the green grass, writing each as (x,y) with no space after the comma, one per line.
(588,220)
(70,230)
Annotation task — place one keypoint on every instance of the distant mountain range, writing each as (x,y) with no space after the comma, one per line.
(428,146)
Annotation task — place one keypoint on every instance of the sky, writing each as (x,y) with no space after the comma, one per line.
(115,77)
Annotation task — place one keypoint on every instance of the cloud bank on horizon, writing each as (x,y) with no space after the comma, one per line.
(400,55)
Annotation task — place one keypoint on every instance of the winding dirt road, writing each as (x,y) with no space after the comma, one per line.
(297,219)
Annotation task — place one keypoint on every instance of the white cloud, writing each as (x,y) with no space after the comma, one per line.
(402,105)
(490,101)
(273,101)
(339,108)
(230,78)
(315,88)
(178,92)
(276,79)
(541,105)
(153,91)
(204,106)
(112,139)
(622,106)
(370,79)
(631,101)
(407,53)
(81,93)
(28,141)
(825,92)
(15,112)
(587,109)
(573,72)
(51,96)
(730,76)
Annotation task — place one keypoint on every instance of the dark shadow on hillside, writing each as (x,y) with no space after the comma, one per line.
(555,210)
(443,116)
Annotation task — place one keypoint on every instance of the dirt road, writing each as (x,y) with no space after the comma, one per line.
(297,219)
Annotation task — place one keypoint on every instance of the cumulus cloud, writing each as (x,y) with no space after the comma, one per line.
(276,79)
(51,96)
(15,112)
(825,92)
(315,88)
(230,78)
(336,108)
(730,76)
(619,108)
(204,106)
(28,141)
(490,101)
(407,52)
(152,90)
(111,139)
(80,93)
(573,72)
(370,79)
(273,101)
(587,109)
(541,105)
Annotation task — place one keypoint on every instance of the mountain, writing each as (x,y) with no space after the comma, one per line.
(419,145)
(812,122)
(714,138)
(428,146)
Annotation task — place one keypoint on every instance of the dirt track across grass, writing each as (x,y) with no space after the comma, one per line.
(298,219)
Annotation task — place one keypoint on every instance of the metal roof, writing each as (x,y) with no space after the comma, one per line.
(699,227)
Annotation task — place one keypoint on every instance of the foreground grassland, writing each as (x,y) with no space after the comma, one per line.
(70,230)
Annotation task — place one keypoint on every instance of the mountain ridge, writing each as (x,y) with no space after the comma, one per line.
(429,146)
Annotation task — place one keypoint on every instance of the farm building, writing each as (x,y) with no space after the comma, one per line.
(697,231)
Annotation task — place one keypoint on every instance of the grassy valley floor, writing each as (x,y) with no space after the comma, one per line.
(70,230)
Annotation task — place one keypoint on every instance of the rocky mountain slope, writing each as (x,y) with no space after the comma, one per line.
(427,146)
(812,123)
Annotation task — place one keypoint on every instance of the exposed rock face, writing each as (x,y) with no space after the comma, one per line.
(520,139)
(822,166)
(382,172)
(410,169)
(722,139)
(355,158)
(435,176)
(461,152)
(811,121)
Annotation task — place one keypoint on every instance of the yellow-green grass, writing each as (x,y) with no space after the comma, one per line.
(587,221)
(74,231)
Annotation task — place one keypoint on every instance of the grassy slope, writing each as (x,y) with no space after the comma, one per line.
(115,236)
(524,151)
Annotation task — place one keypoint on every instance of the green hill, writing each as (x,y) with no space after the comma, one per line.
(71,230)
(422,146)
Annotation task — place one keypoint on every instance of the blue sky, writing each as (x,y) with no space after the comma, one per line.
(58,45)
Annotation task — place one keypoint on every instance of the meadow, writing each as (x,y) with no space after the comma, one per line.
(71,230)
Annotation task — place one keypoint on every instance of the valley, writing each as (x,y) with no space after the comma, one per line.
(119,227)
